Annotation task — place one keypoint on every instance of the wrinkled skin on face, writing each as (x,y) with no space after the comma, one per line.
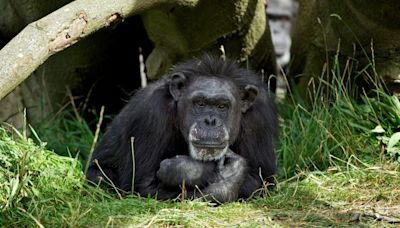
(210,117)
(209,111)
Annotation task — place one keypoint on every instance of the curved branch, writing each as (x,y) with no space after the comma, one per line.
(61,29)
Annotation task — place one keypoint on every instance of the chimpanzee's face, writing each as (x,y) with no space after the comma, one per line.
(209,117)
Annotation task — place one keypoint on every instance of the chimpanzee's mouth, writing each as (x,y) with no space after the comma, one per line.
(207,152)
(209,145)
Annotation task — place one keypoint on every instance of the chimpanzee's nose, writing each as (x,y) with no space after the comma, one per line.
(212,121)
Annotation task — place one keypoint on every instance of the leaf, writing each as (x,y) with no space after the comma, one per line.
(15,185)
(393,151)
(383,139)
(394,139)
(396,102)
(378,129)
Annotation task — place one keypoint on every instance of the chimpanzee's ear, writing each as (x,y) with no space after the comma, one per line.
(248,97)
(176,84)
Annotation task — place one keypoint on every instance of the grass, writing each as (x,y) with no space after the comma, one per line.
(49,190)
(67,133)
(338,159)
(332,124)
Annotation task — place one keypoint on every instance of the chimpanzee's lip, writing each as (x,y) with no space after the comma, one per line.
(211,145)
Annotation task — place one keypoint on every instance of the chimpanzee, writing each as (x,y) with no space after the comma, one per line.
(209,125)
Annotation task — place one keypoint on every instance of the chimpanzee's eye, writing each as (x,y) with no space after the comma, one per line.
(222,106)
(199,103)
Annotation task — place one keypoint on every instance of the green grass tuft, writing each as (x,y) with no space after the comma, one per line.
(67,134)
(29,174)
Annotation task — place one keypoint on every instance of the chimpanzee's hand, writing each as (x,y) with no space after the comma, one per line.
(232,172)
(174,171)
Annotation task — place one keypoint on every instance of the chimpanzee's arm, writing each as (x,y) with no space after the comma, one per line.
(254,182)
(174,171)
(231,176)
(219,183)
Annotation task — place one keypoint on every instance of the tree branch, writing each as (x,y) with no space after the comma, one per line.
(61,29)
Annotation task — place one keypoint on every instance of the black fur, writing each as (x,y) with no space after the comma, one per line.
(151,118)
